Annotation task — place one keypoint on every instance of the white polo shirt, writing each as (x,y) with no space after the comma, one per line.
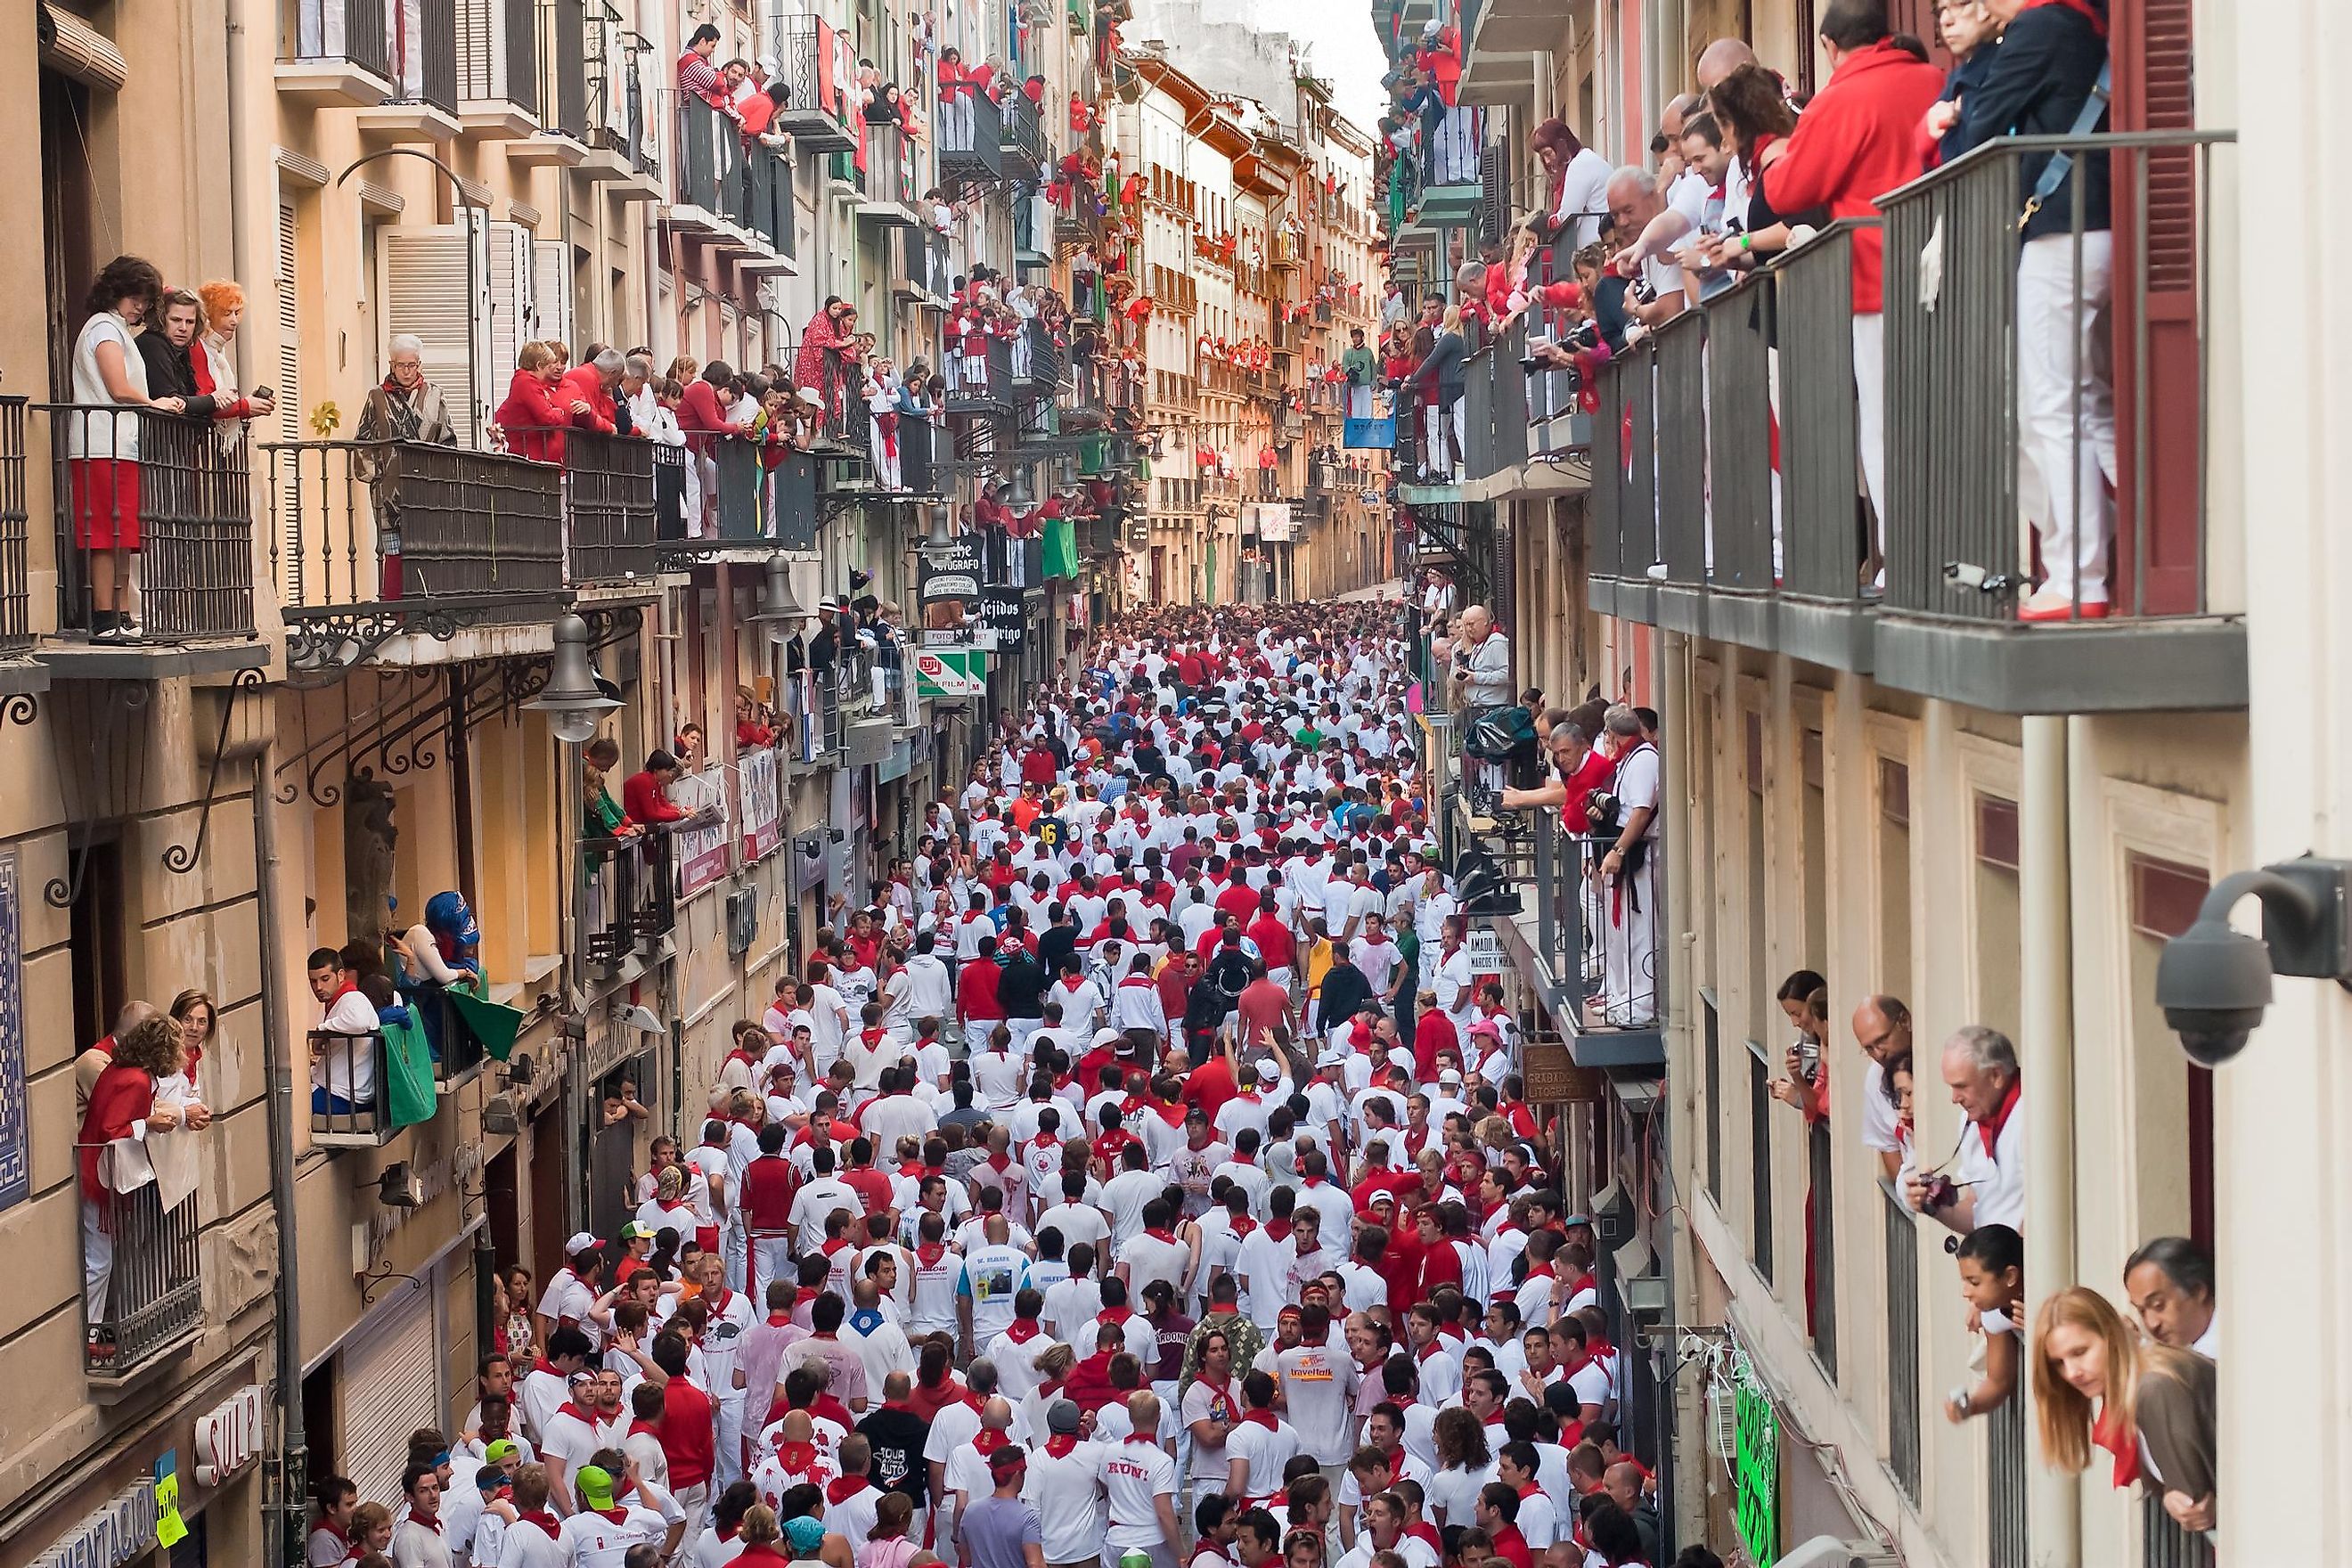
(1999,1176)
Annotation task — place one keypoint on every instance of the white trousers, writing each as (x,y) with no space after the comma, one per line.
(1629,946)
(695,1503)
(97,1264)
(728,1467)
(1870,412)
(2062,361)
(772,1258)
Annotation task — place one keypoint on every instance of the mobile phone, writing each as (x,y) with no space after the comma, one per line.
(263,390)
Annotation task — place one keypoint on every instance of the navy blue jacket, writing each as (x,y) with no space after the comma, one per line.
(2048,61)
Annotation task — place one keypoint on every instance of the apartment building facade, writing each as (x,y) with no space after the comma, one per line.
(1872,771)
(345,701)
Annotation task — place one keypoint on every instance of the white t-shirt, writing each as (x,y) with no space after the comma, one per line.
(1135,1474)
(1880,1124)
(1585,205)
(1268,1450)
(1453,1493)
(1318,1387)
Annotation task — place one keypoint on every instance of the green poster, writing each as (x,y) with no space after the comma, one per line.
(1756,1467)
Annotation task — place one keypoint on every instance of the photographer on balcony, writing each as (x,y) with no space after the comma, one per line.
(1984,1183)
(2047,79)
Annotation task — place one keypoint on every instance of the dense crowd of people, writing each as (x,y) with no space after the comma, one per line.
(1142,1176)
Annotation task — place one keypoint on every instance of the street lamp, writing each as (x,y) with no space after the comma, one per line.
(572,700)
(1017,492)
(779,609)
(940,537)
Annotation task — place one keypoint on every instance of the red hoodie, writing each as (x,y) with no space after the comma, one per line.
(688,1437)
(1854,143)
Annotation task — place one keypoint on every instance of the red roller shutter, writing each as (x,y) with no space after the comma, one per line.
(2156,201)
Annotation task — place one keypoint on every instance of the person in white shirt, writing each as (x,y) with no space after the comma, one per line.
(1063,1485)
(818,1198)
(1988,1183)
(1260,1446)
(1138,1481)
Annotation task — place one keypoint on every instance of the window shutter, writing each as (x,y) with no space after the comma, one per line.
(421,282)
(509,275)
(551,313)
(2156,203)
(289,330)
(391,1386)
(476,43)
(290,412)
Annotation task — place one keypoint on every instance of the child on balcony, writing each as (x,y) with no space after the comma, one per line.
(1992,1282)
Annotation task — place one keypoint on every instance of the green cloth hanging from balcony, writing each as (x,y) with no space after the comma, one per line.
(1061,548)
(493,1023)
(409,1096)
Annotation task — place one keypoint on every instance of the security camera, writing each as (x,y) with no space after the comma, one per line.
(2213,982)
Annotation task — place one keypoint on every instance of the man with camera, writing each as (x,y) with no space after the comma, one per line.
(1984,1183)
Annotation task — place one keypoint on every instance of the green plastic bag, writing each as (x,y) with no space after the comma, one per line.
(409,1096)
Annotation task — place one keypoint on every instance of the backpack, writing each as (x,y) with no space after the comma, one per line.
(1501,735)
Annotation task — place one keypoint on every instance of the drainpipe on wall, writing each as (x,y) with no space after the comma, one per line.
(283,1512)
(2046,1057)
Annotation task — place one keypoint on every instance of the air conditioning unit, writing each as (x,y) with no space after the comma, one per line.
(742,920)
(1829,1552)
(1722,1419)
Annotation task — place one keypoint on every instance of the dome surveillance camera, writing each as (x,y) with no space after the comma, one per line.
(2213,984)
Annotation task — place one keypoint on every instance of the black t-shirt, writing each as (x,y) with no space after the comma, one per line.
(898,1437)
(1055,944)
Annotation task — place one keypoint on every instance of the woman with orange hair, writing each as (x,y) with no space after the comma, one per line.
(2097,1385)
(216,360)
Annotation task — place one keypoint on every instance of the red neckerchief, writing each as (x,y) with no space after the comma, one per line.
(841,1491)
(1277,1230)
(1240,1224)
(872,1036)
(1159,1232)
(1261,1418)
(2121,1441)
(1452,1331)
(1427,1531)
(1583,1282)
(1059,1446)
(545,1365)
(930,1252)
(545,1519)
(1116,1315)
(778,1319)
(567,1407)
(795,1457)
(1020,1331)
(991,1439)
(647,1427)
(1991,1130)
(618,1515)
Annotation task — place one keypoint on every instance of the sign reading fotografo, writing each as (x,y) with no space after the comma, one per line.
(764,816)
(700,851)
(948,584)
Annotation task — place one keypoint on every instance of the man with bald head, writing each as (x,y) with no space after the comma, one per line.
(1139,1482)
(1622,1482)
(1881,1028)
(1720,58)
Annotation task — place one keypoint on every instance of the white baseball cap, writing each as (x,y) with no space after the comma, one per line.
(1268,1071)
(579,1244)
(1450,1075)
(1399,1056)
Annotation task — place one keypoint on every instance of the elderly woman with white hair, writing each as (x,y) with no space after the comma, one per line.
(405,406)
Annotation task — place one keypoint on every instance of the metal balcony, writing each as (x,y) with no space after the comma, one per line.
(498,66)
(370,540)
(191,493)
(1026,154)
(562,52)
(971,134)
(608,509)
(350,1090)
(632,895)
(335,53)
(142,1280)
(1782,550)
(817,65)
(890,192)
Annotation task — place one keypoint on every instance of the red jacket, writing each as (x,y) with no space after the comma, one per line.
(533,418)
(581,382)
(1854,143)
(976,991)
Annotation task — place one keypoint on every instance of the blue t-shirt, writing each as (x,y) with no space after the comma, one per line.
(997,1528)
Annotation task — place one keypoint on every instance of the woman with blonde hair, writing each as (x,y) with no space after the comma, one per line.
(2097,1385)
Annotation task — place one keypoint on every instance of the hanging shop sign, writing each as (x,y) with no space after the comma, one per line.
(113,1535)
(1756,1468)
(700,849)
(228,1437)
(950,674)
